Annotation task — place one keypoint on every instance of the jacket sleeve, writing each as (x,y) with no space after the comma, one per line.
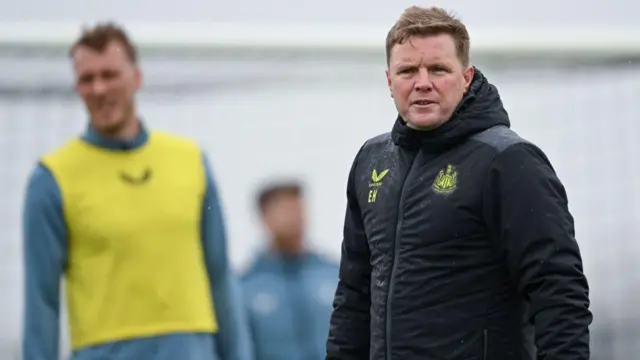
(232,339)
(349,333)
(526,207)
(45,256)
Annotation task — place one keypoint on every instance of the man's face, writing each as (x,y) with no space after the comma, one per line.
(284,218)
(427,80)
(107,82)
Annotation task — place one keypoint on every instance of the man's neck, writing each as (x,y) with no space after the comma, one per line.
(134,137)
(129,131)
(289,251)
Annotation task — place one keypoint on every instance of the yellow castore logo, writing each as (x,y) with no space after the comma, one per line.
(378,177)
(377,182)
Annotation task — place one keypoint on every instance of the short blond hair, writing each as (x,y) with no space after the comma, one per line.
(418,21)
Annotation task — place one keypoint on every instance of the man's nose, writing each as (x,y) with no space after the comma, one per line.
(423,82)
(98,87)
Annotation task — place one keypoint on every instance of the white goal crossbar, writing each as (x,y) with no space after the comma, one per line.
(596,43)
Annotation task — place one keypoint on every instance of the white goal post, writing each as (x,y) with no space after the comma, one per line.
(180,38)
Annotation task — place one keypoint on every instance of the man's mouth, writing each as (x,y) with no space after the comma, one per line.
(422,102)
(105,105)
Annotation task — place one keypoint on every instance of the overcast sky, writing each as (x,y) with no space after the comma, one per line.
(477,13)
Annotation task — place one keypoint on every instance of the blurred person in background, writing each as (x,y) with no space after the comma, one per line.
(458,241)
(289,288)
(132,220)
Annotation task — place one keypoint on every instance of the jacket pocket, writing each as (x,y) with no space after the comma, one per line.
(485,344)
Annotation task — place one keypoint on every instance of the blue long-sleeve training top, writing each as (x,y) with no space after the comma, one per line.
(45,256)
(289,303)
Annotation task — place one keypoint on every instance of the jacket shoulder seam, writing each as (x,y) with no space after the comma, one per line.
(499,138)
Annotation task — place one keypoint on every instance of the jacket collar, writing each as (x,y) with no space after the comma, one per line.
(273,260)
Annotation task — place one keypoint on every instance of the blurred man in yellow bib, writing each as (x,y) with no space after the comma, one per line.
(131,219)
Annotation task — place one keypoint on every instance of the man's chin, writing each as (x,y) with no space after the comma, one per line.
(424,123)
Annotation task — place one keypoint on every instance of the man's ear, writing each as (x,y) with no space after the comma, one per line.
(468,77)
(387,74)
(138,77)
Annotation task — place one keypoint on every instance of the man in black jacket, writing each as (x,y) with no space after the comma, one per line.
(458,242)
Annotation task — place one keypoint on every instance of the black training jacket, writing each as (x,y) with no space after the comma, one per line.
(459,245)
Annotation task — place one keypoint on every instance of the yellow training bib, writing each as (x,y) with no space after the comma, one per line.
(136,266)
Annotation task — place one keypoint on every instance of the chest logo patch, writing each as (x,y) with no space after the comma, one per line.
(142,179)
(375,184)
(447,181)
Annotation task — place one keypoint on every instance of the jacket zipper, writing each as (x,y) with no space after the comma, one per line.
(485,344)
(301,325)
(395,259)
